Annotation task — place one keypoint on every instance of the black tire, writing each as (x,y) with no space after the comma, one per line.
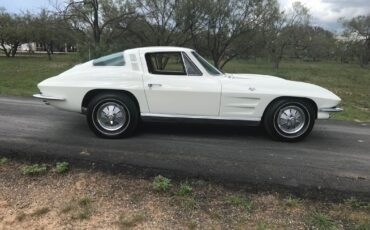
(129,113)
(274,123)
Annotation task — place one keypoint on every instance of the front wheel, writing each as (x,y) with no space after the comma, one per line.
(289,119)
(112,115)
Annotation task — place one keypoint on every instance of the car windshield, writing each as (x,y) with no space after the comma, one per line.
(115,59)
(206,65)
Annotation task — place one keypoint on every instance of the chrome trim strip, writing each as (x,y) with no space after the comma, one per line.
(329,110)
(198,117)
(44,97)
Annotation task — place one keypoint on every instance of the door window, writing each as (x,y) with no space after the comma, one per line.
(165,63)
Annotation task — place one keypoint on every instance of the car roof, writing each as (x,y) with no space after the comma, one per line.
(160,48)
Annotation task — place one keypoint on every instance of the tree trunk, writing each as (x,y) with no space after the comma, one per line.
(7,53)
(14,48)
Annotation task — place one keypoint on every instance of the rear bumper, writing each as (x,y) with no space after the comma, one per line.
(46,98)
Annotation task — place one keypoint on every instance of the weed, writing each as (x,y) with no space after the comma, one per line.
(3,160)
(34,169)
(84,201)
(83,209)
(362,226)
(321,221)
(83,214)
(40,211)
(192,225)
(20,217)
(188,204)
(184,189)
(292,201)
(61,167)
(130,221)
(161,183)
(261,225)
(67,208)
(239,200)
(357,204)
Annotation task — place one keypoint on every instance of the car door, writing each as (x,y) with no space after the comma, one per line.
(175,86)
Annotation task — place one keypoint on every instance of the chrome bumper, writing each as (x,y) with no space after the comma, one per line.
(44,97)
(331,110)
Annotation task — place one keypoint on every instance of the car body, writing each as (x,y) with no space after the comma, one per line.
(175,82)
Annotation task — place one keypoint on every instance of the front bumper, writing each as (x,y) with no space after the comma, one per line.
(46,98)
(331,110)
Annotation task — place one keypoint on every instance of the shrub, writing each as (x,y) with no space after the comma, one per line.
(161,183)
(3,160)
(61,167)
(34,169)
(184,189)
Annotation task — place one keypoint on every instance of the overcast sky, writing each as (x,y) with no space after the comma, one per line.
(324,13)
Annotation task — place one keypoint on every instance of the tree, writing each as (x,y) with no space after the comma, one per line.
(49,30)
(14,30)
(95,18)
(226,21)
(320,43)
(358,30)
(287,31)
(166,22)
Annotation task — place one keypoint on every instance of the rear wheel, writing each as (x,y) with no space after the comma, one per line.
(112,115)
(289,119)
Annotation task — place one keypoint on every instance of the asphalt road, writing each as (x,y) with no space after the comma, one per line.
(335,156)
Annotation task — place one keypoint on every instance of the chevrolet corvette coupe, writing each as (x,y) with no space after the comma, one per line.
(117,90)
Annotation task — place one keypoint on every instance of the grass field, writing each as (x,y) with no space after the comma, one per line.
(19,76)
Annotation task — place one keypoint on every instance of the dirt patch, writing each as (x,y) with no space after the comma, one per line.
(91,199)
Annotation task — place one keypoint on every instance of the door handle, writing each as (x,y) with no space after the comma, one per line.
(152,84)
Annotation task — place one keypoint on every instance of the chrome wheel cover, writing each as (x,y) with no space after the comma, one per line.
(291,119)
(111,116)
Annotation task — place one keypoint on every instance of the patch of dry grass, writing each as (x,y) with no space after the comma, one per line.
(85,199)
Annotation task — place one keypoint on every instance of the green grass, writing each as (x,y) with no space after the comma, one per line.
(349,81)
(20,75)
(239,201)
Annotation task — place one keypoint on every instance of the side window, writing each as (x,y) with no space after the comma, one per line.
(115,59)
(168,63)
(191,68)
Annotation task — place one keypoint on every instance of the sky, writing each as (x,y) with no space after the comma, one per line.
(325,13)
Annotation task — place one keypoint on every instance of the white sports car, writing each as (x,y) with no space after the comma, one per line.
(117,90)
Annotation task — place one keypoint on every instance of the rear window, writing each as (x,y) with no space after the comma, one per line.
(115,59)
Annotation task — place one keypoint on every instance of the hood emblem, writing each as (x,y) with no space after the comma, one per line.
(252,88)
